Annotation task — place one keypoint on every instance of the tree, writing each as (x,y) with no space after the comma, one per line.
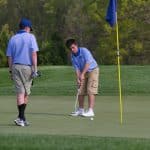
(56,20)
(5,34)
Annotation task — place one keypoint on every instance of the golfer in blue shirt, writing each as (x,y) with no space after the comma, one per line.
(87,75)
(22,60)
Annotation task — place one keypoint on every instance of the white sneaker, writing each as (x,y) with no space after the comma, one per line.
(16,120)
(26,123)
(89,113)
(78,112)
(19,122)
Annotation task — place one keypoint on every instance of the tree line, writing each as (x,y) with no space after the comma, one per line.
(54,21)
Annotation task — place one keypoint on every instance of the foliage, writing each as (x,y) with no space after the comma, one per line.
(5,34)
(54,21)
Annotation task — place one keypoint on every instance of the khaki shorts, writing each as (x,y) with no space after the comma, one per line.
(22,78)
(89,86)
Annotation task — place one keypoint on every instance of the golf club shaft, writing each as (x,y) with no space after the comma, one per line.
(76,101)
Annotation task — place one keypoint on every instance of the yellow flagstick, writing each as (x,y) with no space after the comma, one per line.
(119,74)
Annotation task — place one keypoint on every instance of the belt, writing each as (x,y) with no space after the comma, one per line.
(21,64)
(95,68)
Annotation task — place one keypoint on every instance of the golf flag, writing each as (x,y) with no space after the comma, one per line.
(111,13)
(111,18)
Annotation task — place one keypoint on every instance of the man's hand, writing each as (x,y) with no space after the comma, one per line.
(82,76)
(80,79)
(78,82)
(10,74)
(35,74)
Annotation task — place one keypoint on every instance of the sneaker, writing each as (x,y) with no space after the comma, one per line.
(78,112)
(89,113)
(19,122)
(16,120)
(26,123)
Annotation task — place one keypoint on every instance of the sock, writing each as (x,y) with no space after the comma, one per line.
(90,109)
(81,109)
(24,111)
(18,111)
(21,109)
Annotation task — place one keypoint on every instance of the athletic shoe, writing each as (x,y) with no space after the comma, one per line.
(78,112)
(26,123)
(19,122)
(16,120)
(89,113)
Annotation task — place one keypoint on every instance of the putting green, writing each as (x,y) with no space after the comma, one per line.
(50,115)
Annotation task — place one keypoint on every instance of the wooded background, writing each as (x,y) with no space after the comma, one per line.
(54,21)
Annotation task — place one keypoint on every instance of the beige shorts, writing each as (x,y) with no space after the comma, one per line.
(22,78)
(89,86)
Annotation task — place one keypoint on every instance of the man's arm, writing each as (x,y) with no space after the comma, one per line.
(34,61)
(10,63)
(10,66)
(78,73)
(82,75)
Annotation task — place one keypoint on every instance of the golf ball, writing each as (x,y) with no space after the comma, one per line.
(91,118)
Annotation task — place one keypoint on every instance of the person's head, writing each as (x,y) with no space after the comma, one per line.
(72,45)
(25,24)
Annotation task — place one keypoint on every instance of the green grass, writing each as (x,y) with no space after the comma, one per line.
(50,115)
(55,129)
(40,142)
(60,80)
(52,99)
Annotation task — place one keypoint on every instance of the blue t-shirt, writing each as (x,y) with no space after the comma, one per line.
(83,57)
(20,48)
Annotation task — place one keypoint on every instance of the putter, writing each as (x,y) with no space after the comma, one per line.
(76,101)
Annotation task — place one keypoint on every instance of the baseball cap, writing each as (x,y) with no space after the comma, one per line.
(25,23)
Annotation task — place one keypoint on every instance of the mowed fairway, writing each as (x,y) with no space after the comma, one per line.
(50,115)
(52,100)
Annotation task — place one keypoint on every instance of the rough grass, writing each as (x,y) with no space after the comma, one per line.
(60,80)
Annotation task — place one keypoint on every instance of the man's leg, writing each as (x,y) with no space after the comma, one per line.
(82,94)
(81,101)
(92,90)
(25,104)
(26,100)
(21,105)
(91,101)
(80,109)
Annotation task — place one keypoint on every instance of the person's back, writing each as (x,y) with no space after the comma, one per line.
(22,45)
(22,60)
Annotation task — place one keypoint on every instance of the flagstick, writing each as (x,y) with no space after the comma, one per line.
(119,74)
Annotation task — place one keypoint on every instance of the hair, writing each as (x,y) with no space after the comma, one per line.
(21,26)
(69,42)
